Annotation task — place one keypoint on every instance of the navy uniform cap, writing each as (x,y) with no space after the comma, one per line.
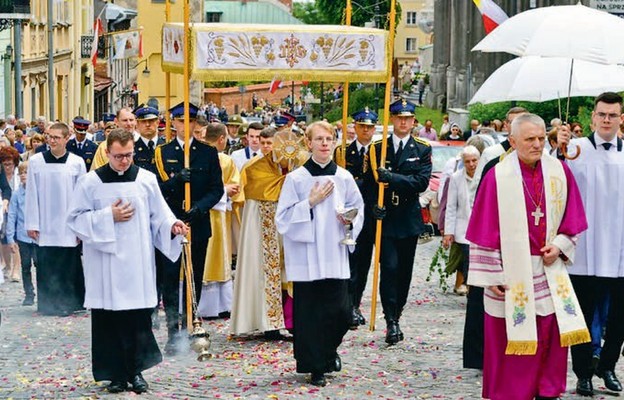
(280,120)
(144,112)
(365,117)
(177,111)
(108,117)
(402,108)
(81,125)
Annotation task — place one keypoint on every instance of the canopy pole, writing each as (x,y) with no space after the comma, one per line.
(187,164)
(345,101)
(384,142)
(167,83)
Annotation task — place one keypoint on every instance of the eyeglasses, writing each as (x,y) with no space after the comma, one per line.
(323,140)
(577,131)
(121,157)
(602,115)
(55,138)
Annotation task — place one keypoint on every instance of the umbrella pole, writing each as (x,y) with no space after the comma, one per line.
(569,90)
(382,162)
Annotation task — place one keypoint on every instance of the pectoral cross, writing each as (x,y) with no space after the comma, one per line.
(537,215)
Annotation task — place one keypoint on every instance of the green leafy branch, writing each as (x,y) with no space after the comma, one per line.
(438,265)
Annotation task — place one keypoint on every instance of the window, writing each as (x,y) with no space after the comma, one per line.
(411,45)
(213,16)
(411,18)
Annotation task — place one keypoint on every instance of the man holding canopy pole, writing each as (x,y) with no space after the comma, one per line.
(406,174)
(207,189)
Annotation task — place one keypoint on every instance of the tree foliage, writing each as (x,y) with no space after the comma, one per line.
(332,12)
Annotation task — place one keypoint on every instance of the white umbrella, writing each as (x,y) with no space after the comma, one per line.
(547,78)
(577,32)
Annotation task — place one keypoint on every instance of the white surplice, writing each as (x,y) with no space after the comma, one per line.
(119,263)
(48,194)
(312,249)
(600,177)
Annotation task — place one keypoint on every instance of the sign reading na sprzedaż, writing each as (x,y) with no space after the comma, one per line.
(289,52)
(615,7)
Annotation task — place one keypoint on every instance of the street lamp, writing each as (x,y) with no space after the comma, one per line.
(8,53)
(146,72)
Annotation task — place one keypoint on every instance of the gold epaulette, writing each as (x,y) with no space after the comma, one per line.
(372,156)
(422,141)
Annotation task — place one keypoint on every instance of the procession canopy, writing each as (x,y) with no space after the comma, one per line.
(229,52)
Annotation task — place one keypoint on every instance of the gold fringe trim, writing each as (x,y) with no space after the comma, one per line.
(521,348)
(575,337)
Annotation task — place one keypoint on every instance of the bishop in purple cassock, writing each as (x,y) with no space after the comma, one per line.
(519,252)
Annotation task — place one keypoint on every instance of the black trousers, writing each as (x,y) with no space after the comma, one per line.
(321,314)
(122,344)
(28,255)
(171,281)
(60,280)
(359,265)
(397,263)
(588,290)
(473,329)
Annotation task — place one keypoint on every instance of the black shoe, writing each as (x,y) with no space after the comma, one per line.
(610,380)
(355,319)
(584,387)
(117,387)
(225,314)
(273,335)
(318,379)
(28,301)
(361,319)
(334,365)
(547,398)
(392,332)
(138,384)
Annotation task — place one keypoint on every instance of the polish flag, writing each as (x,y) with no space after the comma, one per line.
(275,84)
(492,14)
(98,30)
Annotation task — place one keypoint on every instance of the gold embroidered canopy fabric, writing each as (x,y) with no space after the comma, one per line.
(286,52)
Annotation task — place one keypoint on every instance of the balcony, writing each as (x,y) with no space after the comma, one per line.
(85,46)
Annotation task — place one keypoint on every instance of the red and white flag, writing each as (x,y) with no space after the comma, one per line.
(275,84)
(492,14)
(98,30)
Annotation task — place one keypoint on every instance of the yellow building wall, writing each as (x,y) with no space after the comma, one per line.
(151,16)
(405,31)
(71,98)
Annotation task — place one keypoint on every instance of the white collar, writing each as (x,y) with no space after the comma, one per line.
(360,146)
(599,141)
(319,164)
(396,141)
(146,140)
(181,142)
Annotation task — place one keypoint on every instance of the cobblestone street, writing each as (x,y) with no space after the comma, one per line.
(49,357)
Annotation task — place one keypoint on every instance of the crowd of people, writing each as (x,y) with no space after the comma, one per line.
(102,218)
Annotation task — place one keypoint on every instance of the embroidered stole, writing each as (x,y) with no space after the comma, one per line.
(520,316)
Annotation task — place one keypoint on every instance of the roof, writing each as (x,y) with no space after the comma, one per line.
(250,12)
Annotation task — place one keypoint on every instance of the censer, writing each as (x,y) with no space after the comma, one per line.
(199,337)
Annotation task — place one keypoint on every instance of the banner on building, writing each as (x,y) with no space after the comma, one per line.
(127,45)
(292,52)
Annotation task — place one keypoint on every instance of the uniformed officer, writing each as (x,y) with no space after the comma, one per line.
(204,175)
(406,174)
(145,145)
(233,140)
(80,145)
(355,158)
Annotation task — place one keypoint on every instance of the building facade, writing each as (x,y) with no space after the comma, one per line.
(456,71)
(412,31)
